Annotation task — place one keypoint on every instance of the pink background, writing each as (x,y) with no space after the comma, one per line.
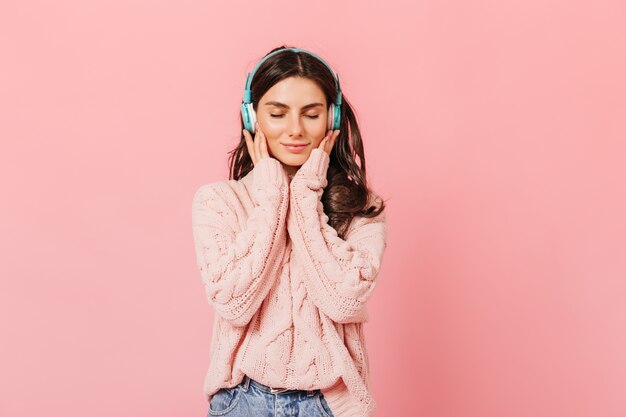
(495,129)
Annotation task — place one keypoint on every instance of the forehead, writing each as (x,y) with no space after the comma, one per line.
(295,92)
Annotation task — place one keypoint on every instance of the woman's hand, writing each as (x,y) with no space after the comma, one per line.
(329,141)
(257,147)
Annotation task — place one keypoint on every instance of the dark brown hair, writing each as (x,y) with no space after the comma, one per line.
(346,194)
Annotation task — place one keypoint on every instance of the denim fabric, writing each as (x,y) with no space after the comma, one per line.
(251,398)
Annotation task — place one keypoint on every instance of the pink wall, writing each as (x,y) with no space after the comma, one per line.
(494,128)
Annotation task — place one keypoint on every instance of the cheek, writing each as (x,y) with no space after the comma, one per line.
(270,126)
(273,147)
(318,140)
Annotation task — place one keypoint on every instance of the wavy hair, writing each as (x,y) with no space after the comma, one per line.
(346,194)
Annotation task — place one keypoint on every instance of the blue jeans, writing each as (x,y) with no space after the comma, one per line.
(251,399)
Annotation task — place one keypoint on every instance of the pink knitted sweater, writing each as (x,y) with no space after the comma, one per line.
(288,292)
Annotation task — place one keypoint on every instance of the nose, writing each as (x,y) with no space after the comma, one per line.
(294,126)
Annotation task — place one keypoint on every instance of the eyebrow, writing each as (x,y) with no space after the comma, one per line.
(284,106)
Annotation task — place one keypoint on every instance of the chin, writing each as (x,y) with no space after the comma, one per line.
(294,160)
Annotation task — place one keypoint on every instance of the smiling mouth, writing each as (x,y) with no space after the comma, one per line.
(296,148)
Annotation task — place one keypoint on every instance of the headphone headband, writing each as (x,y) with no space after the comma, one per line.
(247,94)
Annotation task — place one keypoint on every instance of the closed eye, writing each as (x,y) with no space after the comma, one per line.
(278,116)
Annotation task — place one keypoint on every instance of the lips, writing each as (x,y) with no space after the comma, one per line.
(295,147)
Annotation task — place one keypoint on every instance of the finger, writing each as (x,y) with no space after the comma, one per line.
(322,144)
(249,145)
(267,147)
(264,151)
(257,140)
(332,143)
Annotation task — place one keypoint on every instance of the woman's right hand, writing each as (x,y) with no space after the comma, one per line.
(257,147)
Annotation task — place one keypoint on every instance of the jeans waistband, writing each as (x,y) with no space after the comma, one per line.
(247,381)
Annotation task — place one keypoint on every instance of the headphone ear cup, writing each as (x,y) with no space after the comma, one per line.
(252,117)
(245,118)
(334,117)
(249,117)
(331,117)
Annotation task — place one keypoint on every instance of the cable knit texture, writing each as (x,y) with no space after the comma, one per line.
(289,294)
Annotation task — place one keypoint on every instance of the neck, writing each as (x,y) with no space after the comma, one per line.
(291,171)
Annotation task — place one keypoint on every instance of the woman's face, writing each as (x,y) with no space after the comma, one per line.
(293,112)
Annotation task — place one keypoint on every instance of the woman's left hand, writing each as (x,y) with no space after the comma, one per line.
(329,141)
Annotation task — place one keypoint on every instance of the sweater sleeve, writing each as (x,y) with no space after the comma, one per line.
(238,265)
(339,274)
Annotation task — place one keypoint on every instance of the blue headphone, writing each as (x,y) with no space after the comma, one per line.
(249,115)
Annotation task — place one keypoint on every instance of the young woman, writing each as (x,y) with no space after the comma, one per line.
(289,250)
